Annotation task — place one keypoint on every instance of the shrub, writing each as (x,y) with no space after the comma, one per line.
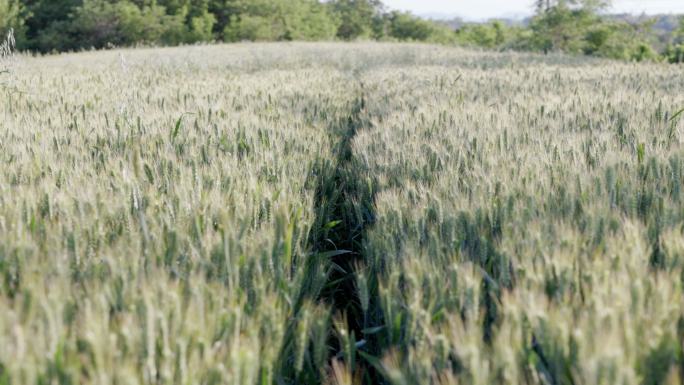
(274,20)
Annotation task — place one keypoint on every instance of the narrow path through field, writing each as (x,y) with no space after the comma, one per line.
(345,207)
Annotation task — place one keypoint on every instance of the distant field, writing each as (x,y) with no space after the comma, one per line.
(340,214)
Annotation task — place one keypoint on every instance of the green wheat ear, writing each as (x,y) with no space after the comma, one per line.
(176,128)
(641,151)
(676,115)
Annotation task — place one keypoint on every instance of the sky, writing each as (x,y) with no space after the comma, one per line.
(485,9)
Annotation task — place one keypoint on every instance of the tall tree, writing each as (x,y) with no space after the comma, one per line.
(674,52)
(356,17)
(48,24)
(542,5)
(280,20)
(562,24)
(223,10)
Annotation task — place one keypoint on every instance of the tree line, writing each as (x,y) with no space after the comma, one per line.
(573,26)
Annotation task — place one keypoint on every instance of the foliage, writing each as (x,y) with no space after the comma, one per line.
(269,20)
(12,17)
(357,18)
(576,27)
(49,25)
(561,28)
(100,23)
(675,53)
(404,26)
(618,41)
(491,35)
(570,26)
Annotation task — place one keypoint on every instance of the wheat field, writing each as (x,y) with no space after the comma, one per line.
(341,214)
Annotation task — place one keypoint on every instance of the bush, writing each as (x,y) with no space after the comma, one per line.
(274,20)
(482,35)
(643,52)
(616,40)
(99,24)
(251,27)
(201,27)
(404,26)
(358,18)
(675,53)
(561,29)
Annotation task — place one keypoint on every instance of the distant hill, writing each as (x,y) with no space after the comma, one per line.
(664,23)
(457,22)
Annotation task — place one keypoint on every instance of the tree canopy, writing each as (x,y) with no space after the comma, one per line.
(572,26)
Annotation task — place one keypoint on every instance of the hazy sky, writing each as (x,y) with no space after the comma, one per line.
(483,9)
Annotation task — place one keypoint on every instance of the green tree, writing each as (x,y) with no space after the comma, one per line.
(189,20)
(490,35)
(273,20)
(674,53)
(149,24)
(358,18)
(678,34)
(102,23)
(404,26)
(12,17)
(48,25)
(223,10)
(562,24)
(619,40)
(196,17)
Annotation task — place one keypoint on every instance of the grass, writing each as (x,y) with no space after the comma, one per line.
(340,213)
